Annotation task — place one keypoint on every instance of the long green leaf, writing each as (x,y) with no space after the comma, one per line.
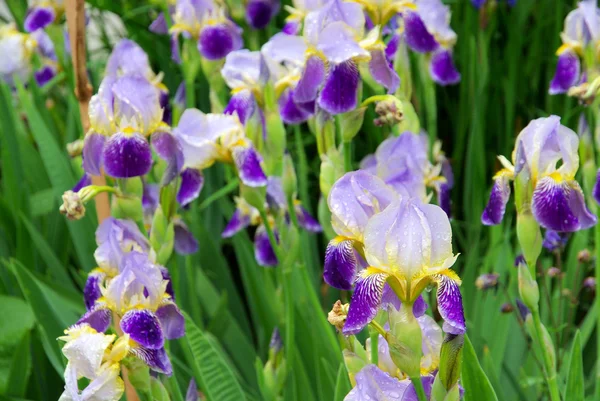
(216,378)
(476,384)
(575,379)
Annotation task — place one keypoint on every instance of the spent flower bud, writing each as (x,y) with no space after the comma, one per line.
(75,148)
(337,315)
(584,256)
(554,272)
(589,283)
(487,281)
(506,308)
(72,206)
(390,112)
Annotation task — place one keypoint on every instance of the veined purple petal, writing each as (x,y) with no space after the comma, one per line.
(159,25)
(340,92)
(340,264)
(389,298)
(156,359)
(382,72)
(374,384)
(243,104)
(238,222)
(98,318)
(306,221)
(39,18)
(263,251)
(247,160)
(290,112)
(567,73)
(217,41)
(496,206)
(291,27)
(91,290)
(144,328)
(260,12)
(392,47)
(127,155)
(596,190)
(560,206)
(420,306)
(365,301)
(93,147)
(172,321)
(310,81)
(44,75)
(169,149)
(416,34)
(442,68)
(185,243)
(192,182)
(83,182)
(450,305)
(411,393)
(167,277)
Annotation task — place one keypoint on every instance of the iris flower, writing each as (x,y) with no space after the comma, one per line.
(545,161)
(581,30)
(406,245)
(298,11)
(245,215)
(207,22)
(260,12)
(403,163)
(42,13)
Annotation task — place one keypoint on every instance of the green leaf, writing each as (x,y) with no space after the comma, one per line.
(159,393)
(216,378)
(42,202)
(16,320)
(575,379)
(476,384)
(342,384)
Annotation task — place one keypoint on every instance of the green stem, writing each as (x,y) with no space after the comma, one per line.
(302,168)
(550,369)
(374,347)
(430,101)
(347,156)
(597,302)
(418,385)
(233,184)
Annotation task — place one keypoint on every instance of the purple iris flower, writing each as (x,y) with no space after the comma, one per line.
(260,12)
(206,22)
(557,201)
(374,384)
(276,205)
(42,13)
(581,29)
(139,295)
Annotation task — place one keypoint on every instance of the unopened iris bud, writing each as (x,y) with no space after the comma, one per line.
(354,364)
(289,180)
(254,196)
(528,288)
(275,344)
(584,256)
(162,236)
(589,283)
(75,148)
(72,206)
(405,340)
(337,315)
(390,112)
(351,123)
(530,237)
(325,132)
(554,272)
(506,308)
(451,360)
(487,281)
(520,259)
(548,345)
(332,168)
(523,310)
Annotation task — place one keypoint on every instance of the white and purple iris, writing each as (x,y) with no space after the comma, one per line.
(426,29)
(42,13)
(545,160)
(19,49)
(402,162)
(205,21)
(581,32)
(245,215)
(389,246)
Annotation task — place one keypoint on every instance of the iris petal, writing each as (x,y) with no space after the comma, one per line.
(442,68)
(450,304)
(192,182)
(93,146)
(416,34)
(365,301)
(91,290)
(567,73)
(306,221)
(310,81)
(185,243)
(127,155)
(496,206)
(98,318)
(340,92)
(217,41)
(156,359)
(340,264)
(238,222)
(247,161)
(263,251)
(144,328)
(382,72)
(172,321)
(38,18)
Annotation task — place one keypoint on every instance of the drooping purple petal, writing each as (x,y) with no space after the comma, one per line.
(392,47)
(340,92)
(185,243)
(567,73)
(382,72)
(450,305)
(127,155)
(560,206)
(167,277)
(192,182)
(443,196)
(171,320)
(98,317)
(496,206)
(416,34)
(442,68)
(247,160)
(263,251)
(93,147)
(238,222)
(243,104)
(156,359)
(159,25)
(84,181)
(260,12)
(217,41)
(143,327)
(596,189)
(38,18)
(169,149)
(310,81)
(91,290)
(44,75)
(411,393)
(340,264)
(554,240)
(306,221)
(175,55)
(365,301)
(290,112)
(374,384)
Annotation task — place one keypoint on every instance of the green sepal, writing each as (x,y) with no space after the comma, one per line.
(351,123)
(159,392)
(162,236)
(451,360)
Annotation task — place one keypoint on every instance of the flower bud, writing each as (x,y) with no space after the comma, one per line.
(487,281)
(75,148)
(554,272)
(289,180)
(548,345)
(351,123)
(337,315)
(332,168)
(325,132)
(390,112)
(275,144)
(523,310)
(72,206)
(405,340)
(528,288)
(506,308)
(584,256)
(354,364)
(254,196)
(589,283)
(275,345)
(530,237)
(451,360)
